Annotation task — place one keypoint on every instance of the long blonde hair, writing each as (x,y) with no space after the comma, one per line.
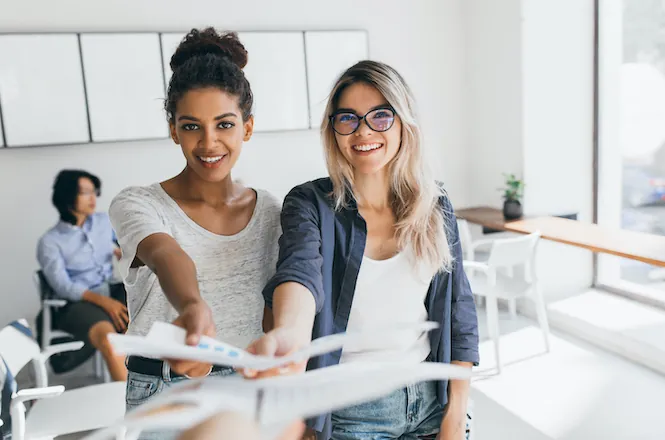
(414,194)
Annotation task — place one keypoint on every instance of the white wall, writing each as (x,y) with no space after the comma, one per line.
(530,88)
(423,42)
(557,66)
(493,34)
(558,84)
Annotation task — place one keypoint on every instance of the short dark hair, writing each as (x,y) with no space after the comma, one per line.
(209,59)
(66,190)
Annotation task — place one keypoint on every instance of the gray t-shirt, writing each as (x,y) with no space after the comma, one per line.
(231,270)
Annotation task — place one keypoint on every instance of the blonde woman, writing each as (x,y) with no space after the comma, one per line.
(376,243)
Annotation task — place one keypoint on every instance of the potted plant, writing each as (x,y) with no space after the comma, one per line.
(512,196)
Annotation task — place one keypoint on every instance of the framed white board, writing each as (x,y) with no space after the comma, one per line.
(276,73)
(41,90)
(125,86)
(329,54)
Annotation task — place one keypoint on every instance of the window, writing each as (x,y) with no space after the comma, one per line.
(631,135)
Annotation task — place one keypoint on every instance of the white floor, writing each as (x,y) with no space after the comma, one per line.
(574,392)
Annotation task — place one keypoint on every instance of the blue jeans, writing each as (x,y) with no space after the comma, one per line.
(141,388)
(409,414)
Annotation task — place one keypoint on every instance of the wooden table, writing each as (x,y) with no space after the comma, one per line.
(638,246)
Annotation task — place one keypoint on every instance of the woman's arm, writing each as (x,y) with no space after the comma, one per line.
(145,240)
(295,292)
(176,273)
(464,340)
(293,313)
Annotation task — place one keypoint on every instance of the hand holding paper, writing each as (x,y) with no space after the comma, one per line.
(196,319)
(166,341)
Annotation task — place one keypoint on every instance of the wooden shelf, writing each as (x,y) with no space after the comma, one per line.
(647,248)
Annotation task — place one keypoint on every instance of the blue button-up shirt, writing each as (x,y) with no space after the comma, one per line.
(75,259)
(322,249)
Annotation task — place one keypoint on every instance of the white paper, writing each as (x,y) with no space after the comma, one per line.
(277,401)
(166,341)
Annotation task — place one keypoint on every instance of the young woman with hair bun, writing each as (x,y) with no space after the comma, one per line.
(198,248)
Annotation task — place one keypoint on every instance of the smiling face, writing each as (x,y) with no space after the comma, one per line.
(367,150)
(209,128)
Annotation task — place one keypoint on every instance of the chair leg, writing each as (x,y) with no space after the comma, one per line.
(17,414)
(105,373)
(99,364)
(46,327)
(492,309)
(512,306)
(41,373)
(541,311)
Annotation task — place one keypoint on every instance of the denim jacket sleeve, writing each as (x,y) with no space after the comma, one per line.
(300,258)
(463,313)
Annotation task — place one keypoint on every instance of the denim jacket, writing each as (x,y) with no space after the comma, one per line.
(322,248)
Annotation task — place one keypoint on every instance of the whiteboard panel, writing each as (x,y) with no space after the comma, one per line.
(125,85)
(170,43)
(276,73)
(41,90)
(329,54)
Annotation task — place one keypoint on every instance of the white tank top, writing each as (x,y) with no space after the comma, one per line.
(388,292)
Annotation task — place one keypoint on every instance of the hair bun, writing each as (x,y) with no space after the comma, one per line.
(209,41)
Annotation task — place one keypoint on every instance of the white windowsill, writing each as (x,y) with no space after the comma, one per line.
(623,326)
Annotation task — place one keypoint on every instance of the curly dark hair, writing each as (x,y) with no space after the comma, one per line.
(207,58)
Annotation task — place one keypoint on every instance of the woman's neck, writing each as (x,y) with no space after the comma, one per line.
(191,186)
(372,191)
(80,219)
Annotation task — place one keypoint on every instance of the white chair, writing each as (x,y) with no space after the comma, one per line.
(477,250)
(48,334)
(56,411)
(498,279)
(472,248)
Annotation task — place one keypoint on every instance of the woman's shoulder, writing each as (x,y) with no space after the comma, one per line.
(312,191)
(444,199)
(268,205)
(138,193)
(150,195)
(322,185)
(446,207)
(100,219)
(267,199)
(137,199)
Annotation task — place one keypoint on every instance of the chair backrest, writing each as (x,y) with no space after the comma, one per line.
(464,236)
(44,288)
(510,252)
(17,346)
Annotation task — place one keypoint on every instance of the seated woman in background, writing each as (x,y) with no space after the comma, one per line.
(76,258)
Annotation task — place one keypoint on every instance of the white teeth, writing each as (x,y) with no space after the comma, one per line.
(211,159)
(366,147)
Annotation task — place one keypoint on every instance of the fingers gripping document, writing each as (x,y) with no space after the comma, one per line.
(167,341)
